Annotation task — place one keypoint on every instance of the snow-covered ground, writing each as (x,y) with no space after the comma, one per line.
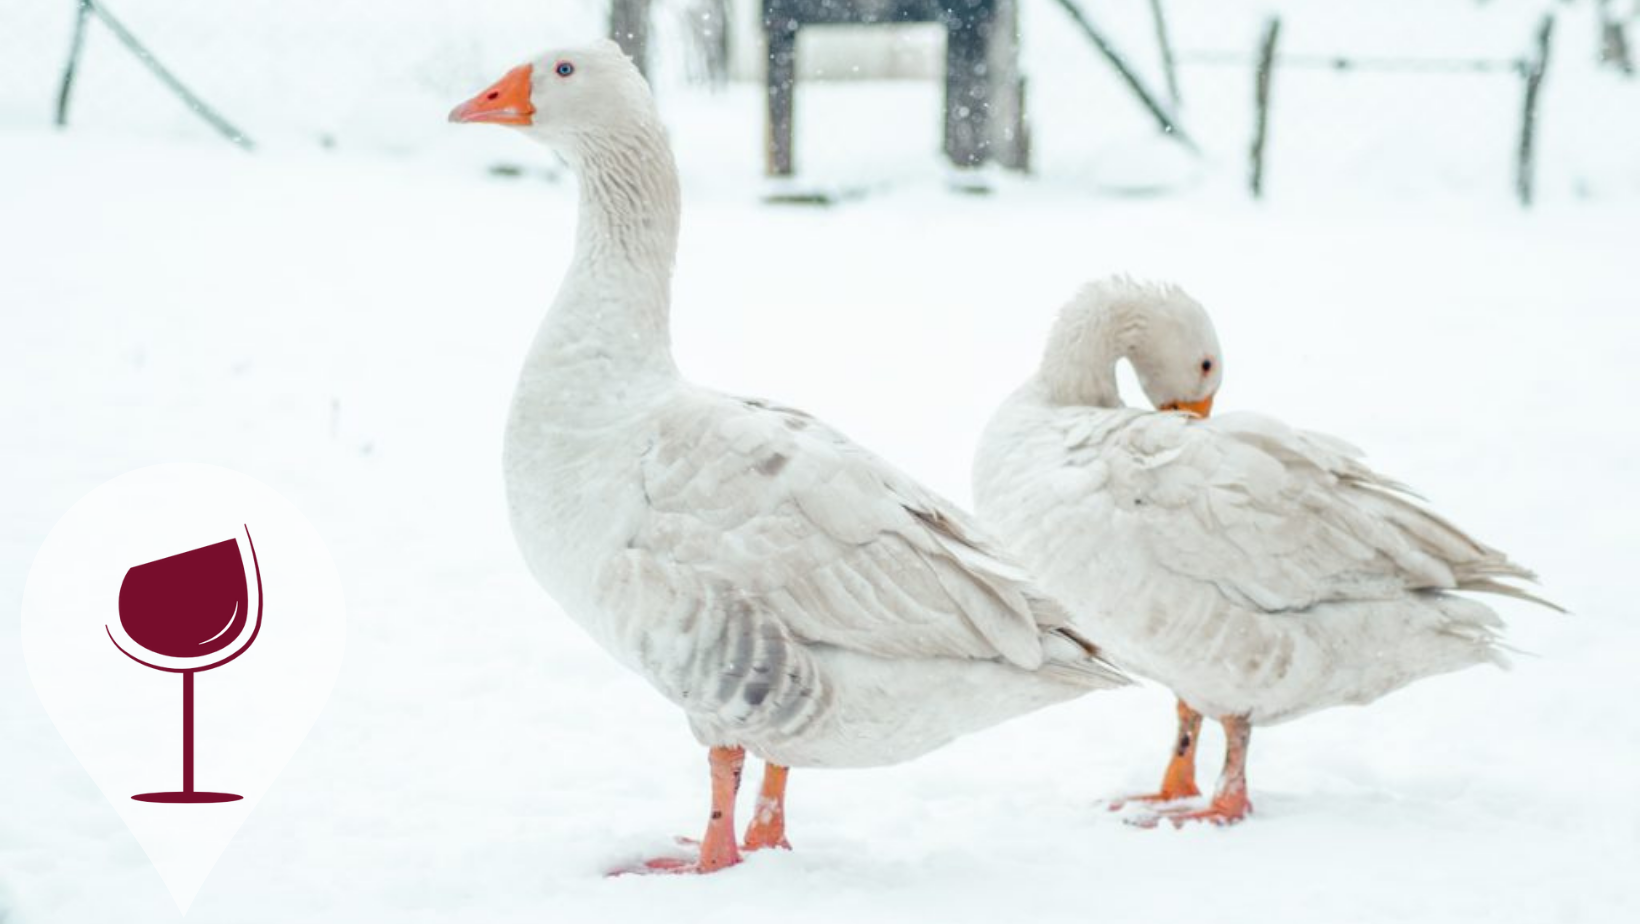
(345,326)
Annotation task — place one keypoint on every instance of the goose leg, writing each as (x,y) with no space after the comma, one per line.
(768,827)
(717,847)
(1179,781)
(1230,803)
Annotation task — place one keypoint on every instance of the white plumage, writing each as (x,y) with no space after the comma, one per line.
(1259,571)
(792,593)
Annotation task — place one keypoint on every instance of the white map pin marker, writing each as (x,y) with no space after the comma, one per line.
(179,687)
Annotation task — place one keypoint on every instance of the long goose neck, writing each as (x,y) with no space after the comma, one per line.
(613,309)
(1079,365)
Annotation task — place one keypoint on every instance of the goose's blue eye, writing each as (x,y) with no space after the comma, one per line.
(1207,366)
(564,68)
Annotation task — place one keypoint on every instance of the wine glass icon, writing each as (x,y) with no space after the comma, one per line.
(189,605)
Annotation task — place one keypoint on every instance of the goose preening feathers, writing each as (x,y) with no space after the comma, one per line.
(792,593)
(1259,571)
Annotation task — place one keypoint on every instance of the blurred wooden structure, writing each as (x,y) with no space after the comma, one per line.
(629,27)
(1614,39)
(984,94)
(708,35)
(984,108)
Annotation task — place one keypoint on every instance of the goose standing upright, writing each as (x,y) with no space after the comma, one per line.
(793,594)
(1260,572)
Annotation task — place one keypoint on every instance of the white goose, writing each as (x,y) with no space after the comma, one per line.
(795,595)
(1260,572)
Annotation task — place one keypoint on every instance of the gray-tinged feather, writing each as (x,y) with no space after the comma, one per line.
(844,548)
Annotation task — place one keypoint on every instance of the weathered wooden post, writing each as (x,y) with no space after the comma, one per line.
(1009,126)
(1165,120)
(629,27)
(981,76)
(1614,41)
(780,89)
(1532,70)
(711,34)
(82,13)
(1166,45)
(968,85)
(1261,96)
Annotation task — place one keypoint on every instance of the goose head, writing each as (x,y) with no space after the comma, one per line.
(1164,333)
(567,98)
(1176,354)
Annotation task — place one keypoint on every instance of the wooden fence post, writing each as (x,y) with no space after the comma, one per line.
(968,90)
(1532,70)
(629,27)
(1261,93)
(780,89)
(1166,44)
(81,14)
(1010,128)
(1167,121)
(1614,41)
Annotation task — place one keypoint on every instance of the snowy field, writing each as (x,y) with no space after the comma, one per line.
(345,325)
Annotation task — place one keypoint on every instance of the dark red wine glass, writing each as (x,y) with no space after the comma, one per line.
(190,605)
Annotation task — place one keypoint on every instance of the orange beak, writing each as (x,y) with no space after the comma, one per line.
(506,102)
(1199,408)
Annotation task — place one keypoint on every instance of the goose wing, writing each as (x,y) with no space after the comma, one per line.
(842,547)
(1272,517)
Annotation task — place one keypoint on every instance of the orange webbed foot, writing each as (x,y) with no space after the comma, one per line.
(705,861)
(670,866)
(717,849)
(1179,781)
(1222,811)
(768,828)
(761,836)
(1230,803)
(1154,798)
